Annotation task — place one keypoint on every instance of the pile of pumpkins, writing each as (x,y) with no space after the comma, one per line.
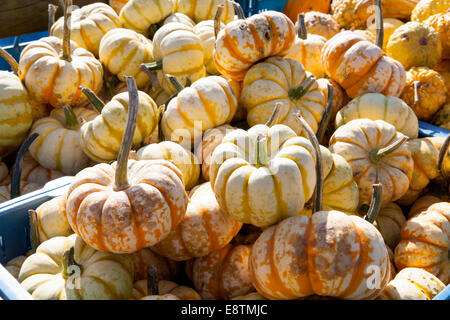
(218,156)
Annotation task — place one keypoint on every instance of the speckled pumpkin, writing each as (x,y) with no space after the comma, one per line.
(321,24)
(327,254)
(139,15)
(415,44)
(52,220)
(122,52)
(359,66)
(263,175)
(376,106)
(285,81)
(204,229)
(140,290)
(358,142)
(389,26)
(425,242)
(88,25)
(32,171)
(200,10)
(427,8)
(207,103)
(441,23)
(46,274)
(205,31)
(166,269)
(25,187)
(294,7)
(442,117)
(223,274)
(412,284)
(425,92)
(244,42)
(185,161)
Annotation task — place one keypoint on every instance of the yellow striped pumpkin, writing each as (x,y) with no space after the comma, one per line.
(200,10)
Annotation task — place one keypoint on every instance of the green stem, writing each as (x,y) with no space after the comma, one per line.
(217,20)
(10,60)
(155,65)
(318,197)
(151,75)
(327,114)
(295,94)
(379,23)
(238,10)
(66,34)
(72,122)
(377,155)
(375,203)
(274,116)
(93,98)
(152,281)
(17,167)
(442,154)
(261,151)
(175,83)
(51,16)
(121,181)
(302,33)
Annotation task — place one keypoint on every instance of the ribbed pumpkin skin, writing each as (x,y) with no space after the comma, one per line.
(101,138)
(442,117)
(209,102)
(244,42)
(52,219)
(211,139)
(432,92)
(88,25)
(32,171)
(165,287)
(422,204)
(425,242)
(294,7)
(270,82)
(15,110)
(117,5)
(50,79)
(122,52)
(205,31)
(389,222)
(425,153)
(185,161)
(167,269)
(104,276)
(329,254)
(355,140)
(389,25)
(340,98)
(376,106)
(181,52)
(13,266)
(262,195)
(199,10)
(321,24)
(139,15)
(441,23)
(128,220)
(412,284)
(359,66)
(57,147)
(25,187)
(415,44)
(308,53)
(223,274)
(428,8)
(204,229)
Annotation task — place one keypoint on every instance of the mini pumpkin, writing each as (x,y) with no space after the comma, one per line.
(204,229)
(425,92)
(244,42)
(181,18)
(141,291)
(205,30)
(422,204)
(389,222)
(200,10)
(166,269)
(415,44)
(294,7)
(389,26)
(32,171)
(441,23)
(427,8)
(321,24)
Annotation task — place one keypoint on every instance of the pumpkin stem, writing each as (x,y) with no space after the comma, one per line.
(327,114)
(238,10)
(377,155)
(68,261)
(379,23)
(152,281)
(72,122)
(17,167)
(151,75)
(261,151)
(161,110)
(302,33)
(10,60)
(121,181)
(155,65)
(416,86)
(295,94)
(217,21)
(175,83)
(318,193)
(442,154)
(66,33)
(274,116)
(93,98)
(34,230)
(51,16)
(375,203)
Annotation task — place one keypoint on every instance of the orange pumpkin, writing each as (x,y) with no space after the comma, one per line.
(166,269)
(294,7)
(422,204)
(321,24)
(165,288)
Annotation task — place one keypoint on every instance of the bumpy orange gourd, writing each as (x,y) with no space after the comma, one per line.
(204,229)
(441,23)
(359,66)
(52,220)
(425,242)
(427,8)
(244,42)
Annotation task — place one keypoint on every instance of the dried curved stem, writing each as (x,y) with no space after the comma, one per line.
(238,10)
(377,154)
(217,21)
(379,23)
(151,75)
(34,229)
(161,110)
(152,281)
(66,34)
(51,16)
(10,60)
(175,83)
(17,167)
(295,94)
(302,33)
(375,203)
(274,116)
(327,114)
(93,98)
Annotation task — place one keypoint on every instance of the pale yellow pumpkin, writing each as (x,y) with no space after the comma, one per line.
(52,220)
(32,171)
(199,10)
(181,18)
(389,222)
(205,31)
(321,24)
(88,25)
(285,81)
(389,26)
(25,187)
